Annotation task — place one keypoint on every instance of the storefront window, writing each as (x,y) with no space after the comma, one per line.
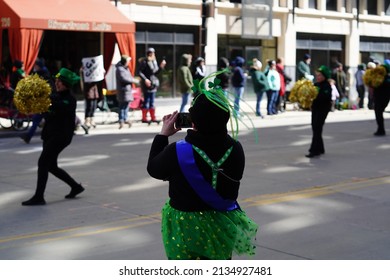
(324,49)
(170,43)
(387,7)
(331,5)
(372,7)
(313,4)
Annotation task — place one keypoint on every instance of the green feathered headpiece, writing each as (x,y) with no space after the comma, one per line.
(212,108)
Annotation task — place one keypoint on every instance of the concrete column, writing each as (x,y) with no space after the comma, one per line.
(363,7)
(321,5)
(341,6)
(287,45)
(303,4)
(211,48)
(352,58)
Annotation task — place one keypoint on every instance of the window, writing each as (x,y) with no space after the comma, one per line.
(387,7)
(313,4)
(331,5)
(372,7)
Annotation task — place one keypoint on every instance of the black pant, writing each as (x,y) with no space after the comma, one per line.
(318,118)
(381,100)
(361,90)
(48,163)
(90,107)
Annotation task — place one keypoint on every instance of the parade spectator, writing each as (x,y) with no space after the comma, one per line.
(185,80)
(360,87)
(199,69)
(284,80)
(57,134)
(260,83)
(124,82)
(238,80)
(319,110)
(274,87)
(303,69)
(341,84)
(201,219)
(335,94)
(17,73)
(223,64)
(381,100)
(148,71)
(6,92)
(93,93)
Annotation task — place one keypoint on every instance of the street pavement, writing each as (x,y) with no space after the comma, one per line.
(334,207)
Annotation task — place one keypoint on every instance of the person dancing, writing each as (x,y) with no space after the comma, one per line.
(57,134)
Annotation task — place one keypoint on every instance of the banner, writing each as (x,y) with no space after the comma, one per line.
(93,69)
(197,270)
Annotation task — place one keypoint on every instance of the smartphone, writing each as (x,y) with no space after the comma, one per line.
(183,120)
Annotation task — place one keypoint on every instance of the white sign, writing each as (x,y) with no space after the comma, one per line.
(93,69)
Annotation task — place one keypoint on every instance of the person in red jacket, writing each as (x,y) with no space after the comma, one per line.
(284,80)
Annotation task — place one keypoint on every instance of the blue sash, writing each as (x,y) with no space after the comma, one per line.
(196,180)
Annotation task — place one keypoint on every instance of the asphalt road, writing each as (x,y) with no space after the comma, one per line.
(331,208)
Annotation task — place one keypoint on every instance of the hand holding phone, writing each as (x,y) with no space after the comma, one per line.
(183,120)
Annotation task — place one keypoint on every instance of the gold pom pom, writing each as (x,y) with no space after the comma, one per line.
(303,92)
(32,95)
(374,77)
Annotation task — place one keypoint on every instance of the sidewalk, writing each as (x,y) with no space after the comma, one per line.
(107,121)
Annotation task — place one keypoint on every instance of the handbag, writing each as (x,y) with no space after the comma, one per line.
(155,82)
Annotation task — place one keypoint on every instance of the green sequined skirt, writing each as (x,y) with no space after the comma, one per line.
(207,235)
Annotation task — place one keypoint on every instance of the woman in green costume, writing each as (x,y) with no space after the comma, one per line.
(202,219)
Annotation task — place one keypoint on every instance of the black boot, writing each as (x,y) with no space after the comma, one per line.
(75,191)
(25,138)
(34,201)
(85,128)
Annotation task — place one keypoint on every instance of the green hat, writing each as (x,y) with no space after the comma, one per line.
(324,71)
(68,77)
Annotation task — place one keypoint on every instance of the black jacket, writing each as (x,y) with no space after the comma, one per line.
(163,164)
(61,117)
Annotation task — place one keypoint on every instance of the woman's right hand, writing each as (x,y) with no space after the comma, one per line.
(168,127)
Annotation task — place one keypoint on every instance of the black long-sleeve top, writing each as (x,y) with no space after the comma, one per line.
(163,164)
(61,118)
(323,100)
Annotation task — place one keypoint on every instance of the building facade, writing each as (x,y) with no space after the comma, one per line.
(331,31)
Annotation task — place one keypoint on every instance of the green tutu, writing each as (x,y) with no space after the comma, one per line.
(207,235)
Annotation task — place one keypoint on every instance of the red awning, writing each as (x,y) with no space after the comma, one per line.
(26,21)
(66,15)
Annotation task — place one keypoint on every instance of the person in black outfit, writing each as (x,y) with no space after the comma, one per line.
(381,100)
(193,226)
(319,110)
(57,134)
(223,64)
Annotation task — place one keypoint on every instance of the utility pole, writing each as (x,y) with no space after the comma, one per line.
(203,30)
